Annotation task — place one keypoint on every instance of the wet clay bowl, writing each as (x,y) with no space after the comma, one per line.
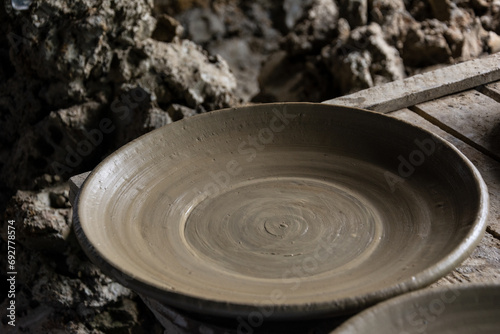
(281,210)
(460,309)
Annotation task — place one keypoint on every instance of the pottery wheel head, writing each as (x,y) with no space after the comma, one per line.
(304,209)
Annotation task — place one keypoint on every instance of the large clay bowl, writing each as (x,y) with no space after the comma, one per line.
(462,309)
(283,210)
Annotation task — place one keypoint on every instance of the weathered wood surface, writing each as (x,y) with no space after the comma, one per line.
(75,184)
(492,90)
(425,87)
(483,266)
(470,116)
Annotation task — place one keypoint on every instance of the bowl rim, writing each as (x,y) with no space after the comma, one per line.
(411,298)
(344,306)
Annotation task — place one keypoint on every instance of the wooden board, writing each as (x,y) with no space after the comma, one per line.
(75,184)
(492,90)
(470,116)
(484,263)
(425,87)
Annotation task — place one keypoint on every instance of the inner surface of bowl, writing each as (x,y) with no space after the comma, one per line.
(303,209)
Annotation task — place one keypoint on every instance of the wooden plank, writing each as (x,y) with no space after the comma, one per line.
(492,90)
(425,87)
(75,184)
(484,263)
(470,116)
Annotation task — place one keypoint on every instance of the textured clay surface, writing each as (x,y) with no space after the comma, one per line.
(451,310)
(303,209)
